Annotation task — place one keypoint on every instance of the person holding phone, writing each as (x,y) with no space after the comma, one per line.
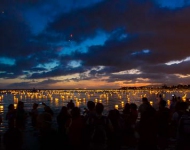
(48,109)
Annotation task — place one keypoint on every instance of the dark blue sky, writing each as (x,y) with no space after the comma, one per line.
(94,43)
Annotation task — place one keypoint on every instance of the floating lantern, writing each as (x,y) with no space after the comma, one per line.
(122,105)
(168,102)
(77,104)
(96,100)
(116,107)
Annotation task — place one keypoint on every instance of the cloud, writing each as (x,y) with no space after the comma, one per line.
(141,35)
(46,84)
(60,71)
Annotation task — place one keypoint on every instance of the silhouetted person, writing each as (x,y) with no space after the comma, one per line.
(48,109)
(48,137)
(11,115)
(34,115)
(74,127)
(102,129)
(126,118)
(144,106)
(163,120)
(177,113)
(133,114)
(89,112)
(183,129)
(70,106)
(21,116)
(91,109)
(126,110)
(173,104)
(1,120)
(129,118)
(62,119)
(117,122)
(147,127)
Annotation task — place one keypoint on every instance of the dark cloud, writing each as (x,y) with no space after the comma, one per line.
(58,71)
(141,35)
(161,30)
(181,68)
(14,35)
(20,85)
(46,84)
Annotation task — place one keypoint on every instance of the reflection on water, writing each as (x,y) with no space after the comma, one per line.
(112,99)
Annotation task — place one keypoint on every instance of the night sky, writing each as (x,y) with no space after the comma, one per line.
(68,44)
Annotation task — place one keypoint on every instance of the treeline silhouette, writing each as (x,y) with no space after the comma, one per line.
(179,86)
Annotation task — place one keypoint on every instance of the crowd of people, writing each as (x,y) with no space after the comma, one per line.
(91,130)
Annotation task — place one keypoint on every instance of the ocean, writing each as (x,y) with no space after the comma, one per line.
(111,99)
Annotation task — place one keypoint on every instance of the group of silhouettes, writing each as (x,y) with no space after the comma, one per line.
(142,127)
